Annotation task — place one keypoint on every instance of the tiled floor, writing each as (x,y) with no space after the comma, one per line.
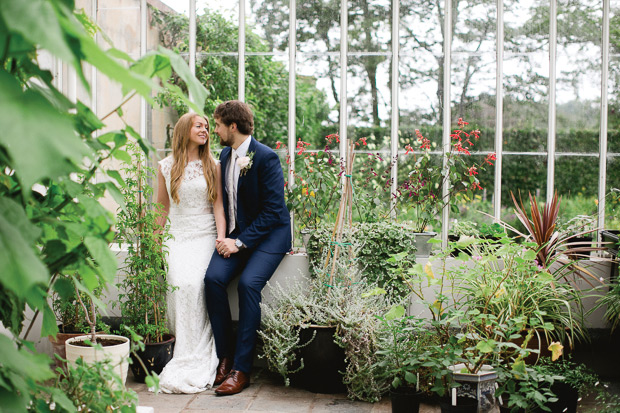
(268,394)
(265,394)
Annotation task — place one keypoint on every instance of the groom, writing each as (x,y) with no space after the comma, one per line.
(259,235)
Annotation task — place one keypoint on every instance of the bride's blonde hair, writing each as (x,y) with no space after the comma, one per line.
(180,139)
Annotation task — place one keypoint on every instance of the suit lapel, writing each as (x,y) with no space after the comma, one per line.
(251,148)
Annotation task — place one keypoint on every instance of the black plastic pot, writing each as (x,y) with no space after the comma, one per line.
(405,400)
(323,361)
(463,405)
(504,409)
(155,356)
(567,398)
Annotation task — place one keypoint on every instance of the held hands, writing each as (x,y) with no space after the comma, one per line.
(226,247)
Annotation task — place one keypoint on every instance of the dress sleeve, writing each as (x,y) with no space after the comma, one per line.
(165,166)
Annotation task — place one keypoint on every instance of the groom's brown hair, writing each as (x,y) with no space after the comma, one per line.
(235,111)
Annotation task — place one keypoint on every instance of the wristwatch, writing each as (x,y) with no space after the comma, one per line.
(239,244)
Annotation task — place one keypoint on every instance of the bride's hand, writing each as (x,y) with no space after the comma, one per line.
(226,247)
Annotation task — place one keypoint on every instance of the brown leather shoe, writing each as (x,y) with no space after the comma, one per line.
(223,368)
(234,383)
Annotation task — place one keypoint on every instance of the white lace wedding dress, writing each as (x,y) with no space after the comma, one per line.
(192,225)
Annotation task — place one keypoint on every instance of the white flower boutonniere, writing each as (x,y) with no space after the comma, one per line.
(245,163)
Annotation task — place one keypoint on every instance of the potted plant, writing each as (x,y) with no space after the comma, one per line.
(342,315)
(421,193)
(577,381)
(578,232)
(70,316)
(522,388)
(97,347)
(401,343)
(143,289)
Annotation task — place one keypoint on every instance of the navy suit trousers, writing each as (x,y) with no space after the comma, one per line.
(254,269)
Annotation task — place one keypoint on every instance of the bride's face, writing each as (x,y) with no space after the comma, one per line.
(199,132)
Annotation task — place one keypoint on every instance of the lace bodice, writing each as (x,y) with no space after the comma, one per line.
(193,189)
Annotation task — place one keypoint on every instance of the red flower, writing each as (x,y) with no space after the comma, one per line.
(462,122)
(278,144)
(476,185)
(490,157)
(472,171)
(408,148)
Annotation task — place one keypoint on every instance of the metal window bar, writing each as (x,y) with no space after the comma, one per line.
(553,37)
(241,91)
(395,107)
(602,184)
(499,111)
(292,75)
(344,35)
(447,64)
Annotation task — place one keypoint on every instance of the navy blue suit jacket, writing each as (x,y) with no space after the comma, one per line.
(262,216)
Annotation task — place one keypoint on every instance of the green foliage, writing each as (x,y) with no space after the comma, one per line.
(266,87)
(422,191)
(144,287)
(524,388)
(53,229)
(93,386)
(611,302)
(504,279)
(402,341)
(377,242)
(68,310)
(352,310)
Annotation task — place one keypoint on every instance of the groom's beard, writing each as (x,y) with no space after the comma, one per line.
(226,140)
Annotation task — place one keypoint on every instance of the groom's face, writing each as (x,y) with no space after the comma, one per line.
(224,132)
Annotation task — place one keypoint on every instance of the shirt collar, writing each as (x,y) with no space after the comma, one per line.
(242,150)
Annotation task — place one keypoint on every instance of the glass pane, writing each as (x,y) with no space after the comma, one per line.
(579,73)
(522,174)
(266,91)
(368,90)
(526,75)
(319,78)
(318,25)
(371,180)
(474,27)
(217,32)
(269,19)
(370,28)
(420,70)
(526,90)
(576,175)
(179,6)
(473,95)
(229,10)
(471,209)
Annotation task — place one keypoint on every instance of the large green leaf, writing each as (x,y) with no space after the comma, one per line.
(105,258)
(196,89)
(37,21)
(40,141)
(37,365)
(21,267)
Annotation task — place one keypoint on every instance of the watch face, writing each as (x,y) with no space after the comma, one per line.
(238,243)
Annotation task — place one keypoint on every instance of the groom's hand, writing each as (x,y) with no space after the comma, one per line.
(226,247)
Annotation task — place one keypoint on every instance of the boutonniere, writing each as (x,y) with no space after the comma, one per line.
(245,163)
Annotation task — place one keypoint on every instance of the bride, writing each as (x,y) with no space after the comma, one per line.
(189,188)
